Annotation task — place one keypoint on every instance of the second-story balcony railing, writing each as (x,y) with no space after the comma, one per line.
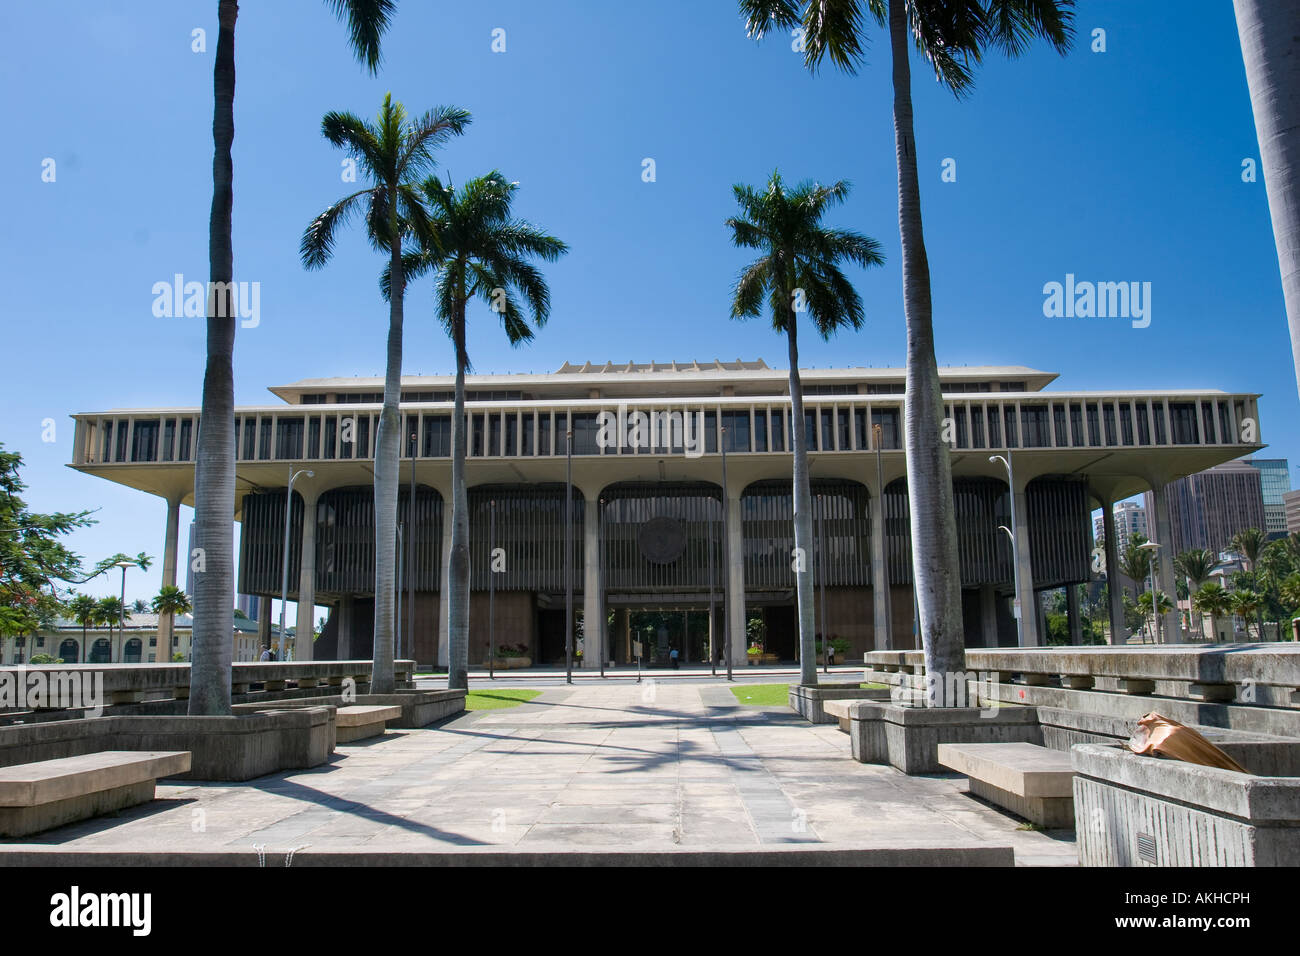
(533,429)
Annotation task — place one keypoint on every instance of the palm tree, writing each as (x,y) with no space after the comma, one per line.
(1195,565)
(85,611)
(1249,542)
(169,602)
(214,458)
(110,612)
(1144,604)
(1135,561)
(1270,48)
(1212,599)
(394,152)
(1246,603)
(479,251)
(799,272)
(952,37)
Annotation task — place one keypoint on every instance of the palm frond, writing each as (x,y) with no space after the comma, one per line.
(318,240)
(367,22)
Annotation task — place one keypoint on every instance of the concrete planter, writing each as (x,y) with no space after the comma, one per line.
(809,701)
(908,738)
(507,664)
(1132,810)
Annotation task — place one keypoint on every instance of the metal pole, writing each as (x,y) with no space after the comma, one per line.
(284,575)
(121,620)
(1015,546)
(568,552)
(600,579)
(713,651)
(397,639)
(409,639)
(492,591)
(821,567)
(726,557)
(876,433)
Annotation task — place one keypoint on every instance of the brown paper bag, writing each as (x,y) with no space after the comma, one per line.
(1168,738)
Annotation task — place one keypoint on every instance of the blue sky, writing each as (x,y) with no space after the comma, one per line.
(1116,166)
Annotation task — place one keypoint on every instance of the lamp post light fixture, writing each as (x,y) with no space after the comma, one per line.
(284,564)
(1013,533)
(121,610)
(1153,547)
(568,553)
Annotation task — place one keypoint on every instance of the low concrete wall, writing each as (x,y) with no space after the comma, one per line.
(420,708)
(1133,810)
(234,748)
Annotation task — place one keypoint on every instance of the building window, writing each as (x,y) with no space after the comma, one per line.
(977,426)
(288,438)
(737,426)
(887,419)
(512,434)
(585,434)
(1034,426)
(530,435)
(264,439)
(1009,415)
(1108,418)
(1094,425)
(437,436)
(1182,417)
(1126,422)
(779,431)
(760,430)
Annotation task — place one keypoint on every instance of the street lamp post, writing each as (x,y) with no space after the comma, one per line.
(1155,597)
(492,591)
(121,611)
(726,560)
(284,564)
(568,553)
(1013,533)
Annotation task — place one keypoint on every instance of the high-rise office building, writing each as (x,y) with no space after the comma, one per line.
(1275,480)
(1208,508)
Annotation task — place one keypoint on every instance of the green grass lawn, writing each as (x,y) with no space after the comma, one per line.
(774,695)
(498,699)
(762,695)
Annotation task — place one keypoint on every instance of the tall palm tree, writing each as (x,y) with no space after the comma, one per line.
(1270,47)
(214,457)
(1249,542)
(394,152)
(952,37)
(1214,600)
(85,611)
(799,272)
(1195,564)
(1135,561)
(478,251)
(169,602)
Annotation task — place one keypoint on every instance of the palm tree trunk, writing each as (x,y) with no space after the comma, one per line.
(1270,47)
(212,638)
(387,463)
(802,498)
(458,565)
(936,571)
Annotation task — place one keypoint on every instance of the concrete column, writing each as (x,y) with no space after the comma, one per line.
(1169,629)
(592,600)
(1027,595)
(1072,610)
(1114,592)
(347,618)
(880,602)
(163,651)
(306,625)
(989,615)
(735,562)
(263,624)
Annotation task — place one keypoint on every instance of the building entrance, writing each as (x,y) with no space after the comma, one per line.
(662,631)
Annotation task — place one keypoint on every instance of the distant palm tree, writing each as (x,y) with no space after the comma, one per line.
(111,612)
(479,251)
(1195,564)
(1249,542)
(85,611)
(799,272)
(394,152)
(952,37)
(1213,600)
(1135,561)
(214,456)
(1270,47)
(168,603)
(1246,603)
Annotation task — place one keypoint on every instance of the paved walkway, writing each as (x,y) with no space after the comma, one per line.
(659,765)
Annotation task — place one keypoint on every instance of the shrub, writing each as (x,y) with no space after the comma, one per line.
(45,659)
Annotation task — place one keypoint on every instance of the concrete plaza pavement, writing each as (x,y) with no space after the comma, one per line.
(660,766)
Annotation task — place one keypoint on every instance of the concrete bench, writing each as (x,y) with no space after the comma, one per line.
(1035,782)
(47,794)
(359,721)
